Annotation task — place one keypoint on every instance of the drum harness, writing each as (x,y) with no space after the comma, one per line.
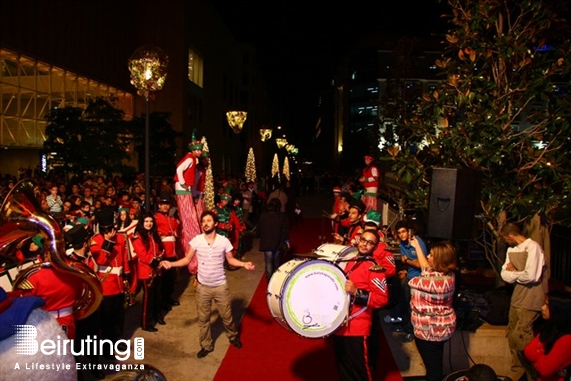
(359,260)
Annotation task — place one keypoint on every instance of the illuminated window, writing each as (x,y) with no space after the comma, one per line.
(29,89)
(195,67)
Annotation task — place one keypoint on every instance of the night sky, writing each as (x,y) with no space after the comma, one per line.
(299,44)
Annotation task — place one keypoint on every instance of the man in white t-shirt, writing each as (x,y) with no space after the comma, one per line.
(211,250)
(524,267)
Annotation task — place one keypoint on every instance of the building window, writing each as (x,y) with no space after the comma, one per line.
(29,89)
(195,68)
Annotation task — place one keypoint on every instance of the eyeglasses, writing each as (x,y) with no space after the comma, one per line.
(367,242)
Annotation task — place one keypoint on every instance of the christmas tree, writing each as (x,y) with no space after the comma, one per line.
(208,180)
(276,167)
(286,168)
(250,166)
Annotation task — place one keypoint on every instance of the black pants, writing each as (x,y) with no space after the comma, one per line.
(352,358)
(168,280)
(112,317)
(432,353)
(151,302)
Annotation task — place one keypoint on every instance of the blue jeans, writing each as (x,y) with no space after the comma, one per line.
(402,308)
(272,259)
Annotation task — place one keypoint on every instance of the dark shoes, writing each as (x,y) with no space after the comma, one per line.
(203,353)
(161,321)
(150,329)
(174,303)
(167,307)
(236,342)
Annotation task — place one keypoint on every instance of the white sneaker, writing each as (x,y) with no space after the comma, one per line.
(388,319)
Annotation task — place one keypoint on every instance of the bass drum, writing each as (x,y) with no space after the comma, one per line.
(332,251)
(308,297)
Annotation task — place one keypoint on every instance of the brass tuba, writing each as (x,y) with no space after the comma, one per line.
(21,218)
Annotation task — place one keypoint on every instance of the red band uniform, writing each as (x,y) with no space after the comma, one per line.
(167,227)
(109,249)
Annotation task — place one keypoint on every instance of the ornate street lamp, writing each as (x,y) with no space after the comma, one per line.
(281,142)
(148,67)
(265,134)
(289,148)
(236,120)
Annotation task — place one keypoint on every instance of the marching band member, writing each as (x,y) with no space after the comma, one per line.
(149,248)
(368,290)
(167,226)
(109,250)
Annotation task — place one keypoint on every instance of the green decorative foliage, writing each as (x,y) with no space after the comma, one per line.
(503,109)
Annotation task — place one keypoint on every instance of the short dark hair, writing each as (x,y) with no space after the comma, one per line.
(370,225)
(274,205)
(481,372)
(209,213)
(511,229)
(373,232)
(401,224)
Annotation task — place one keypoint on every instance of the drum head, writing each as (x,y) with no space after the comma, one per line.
(331,250)
(314,303)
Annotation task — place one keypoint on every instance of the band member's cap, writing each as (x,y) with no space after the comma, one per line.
(357,204)
(76,235)
(226,197)
(336,189)
(105,218)
(165,198)
(368,157)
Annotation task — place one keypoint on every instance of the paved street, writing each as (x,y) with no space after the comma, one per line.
(173,348)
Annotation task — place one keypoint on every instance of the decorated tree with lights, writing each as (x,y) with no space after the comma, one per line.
(285,170)
(208,180)
(250,172)
(502,110)
(276,167)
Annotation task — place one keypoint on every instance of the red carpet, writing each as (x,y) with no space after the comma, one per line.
(272,352)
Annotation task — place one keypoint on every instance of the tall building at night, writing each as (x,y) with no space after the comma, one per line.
(65,53)
(376,75)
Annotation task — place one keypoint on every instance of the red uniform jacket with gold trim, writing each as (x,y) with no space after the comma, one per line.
(167,227)
(112,258)
(375,283)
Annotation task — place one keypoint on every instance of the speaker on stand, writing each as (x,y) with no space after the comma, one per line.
(453,201)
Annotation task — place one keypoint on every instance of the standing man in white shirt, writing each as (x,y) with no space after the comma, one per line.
(211,250)
(524,267)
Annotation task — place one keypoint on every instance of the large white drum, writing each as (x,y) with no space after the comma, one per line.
(333,251)
(308,297)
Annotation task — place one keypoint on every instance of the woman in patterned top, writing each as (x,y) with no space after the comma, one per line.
(432,315)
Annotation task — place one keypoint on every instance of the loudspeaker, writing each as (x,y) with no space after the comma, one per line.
(452,203)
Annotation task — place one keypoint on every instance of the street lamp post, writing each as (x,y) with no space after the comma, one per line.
(236,120)
(148,67)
